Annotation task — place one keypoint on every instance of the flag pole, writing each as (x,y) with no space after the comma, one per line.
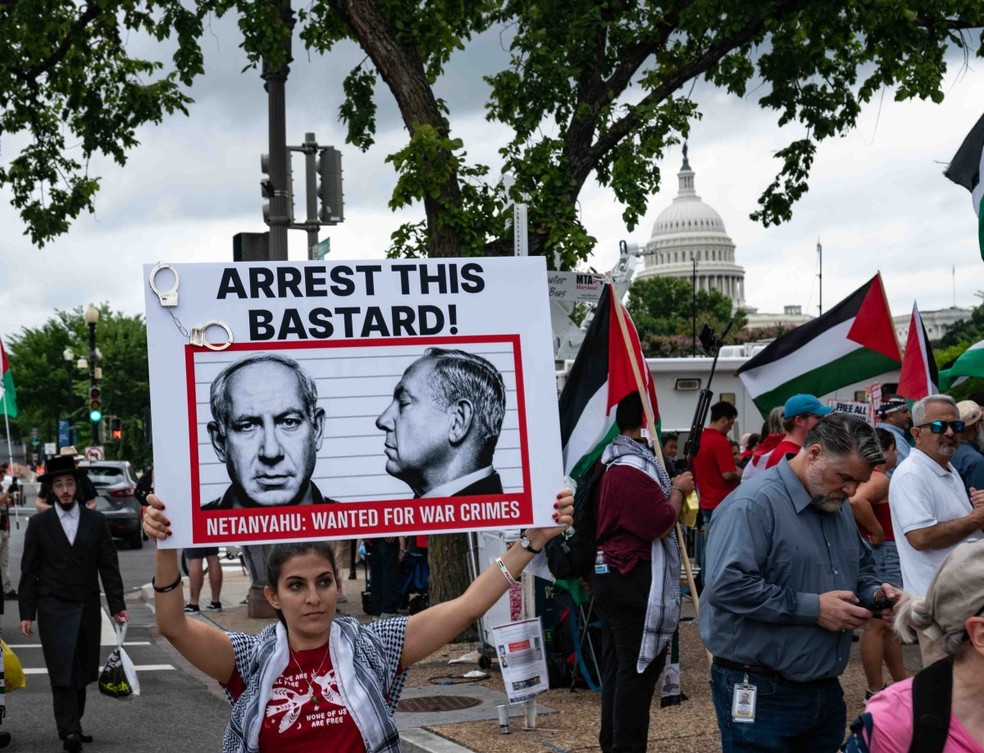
(657,450)
(10,452)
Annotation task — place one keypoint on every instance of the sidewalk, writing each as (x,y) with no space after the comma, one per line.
(453,715)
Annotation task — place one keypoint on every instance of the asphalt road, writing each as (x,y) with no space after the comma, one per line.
(178,708)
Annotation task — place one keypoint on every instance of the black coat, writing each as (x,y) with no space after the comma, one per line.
(59,587)
(488,485)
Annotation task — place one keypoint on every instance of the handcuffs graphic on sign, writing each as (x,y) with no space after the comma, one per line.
(169,301)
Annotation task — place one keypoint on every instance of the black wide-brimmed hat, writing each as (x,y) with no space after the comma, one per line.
(61,465)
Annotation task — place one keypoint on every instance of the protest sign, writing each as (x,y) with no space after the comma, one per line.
(355,399)
(519,649)
(849,406)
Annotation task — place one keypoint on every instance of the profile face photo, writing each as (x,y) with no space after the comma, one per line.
(442,424)
(267,429)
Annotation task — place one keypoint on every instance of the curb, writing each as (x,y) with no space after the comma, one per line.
(419,740)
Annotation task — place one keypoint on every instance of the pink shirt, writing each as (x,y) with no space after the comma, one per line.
(891,711)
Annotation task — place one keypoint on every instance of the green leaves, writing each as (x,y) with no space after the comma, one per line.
(68,84)
(590,91)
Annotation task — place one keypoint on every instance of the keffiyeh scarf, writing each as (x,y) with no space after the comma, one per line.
(365,660)
(663,607)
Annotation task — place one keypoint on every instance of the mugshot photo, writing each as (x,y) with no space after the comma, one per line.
(319,425)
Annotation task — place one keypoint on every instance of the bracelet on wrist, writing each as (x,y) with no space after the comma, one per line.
(505,572)
(166,589)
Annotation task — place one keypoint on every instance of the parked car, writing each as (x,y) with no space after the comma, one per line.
(116,483)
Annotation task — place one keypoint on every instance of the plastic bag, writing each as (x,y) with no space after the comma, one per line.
(689,514)
(13,672)
(119,677)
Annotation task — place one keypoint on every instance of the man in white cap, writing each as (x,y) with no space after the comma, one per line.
(968,459)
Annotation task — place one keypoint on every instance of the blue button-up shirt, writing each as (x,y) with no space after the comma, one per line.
(969,462)
(770,554)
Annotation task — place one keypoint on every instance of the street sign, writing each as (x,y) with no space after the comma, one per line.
(321,249)
(50,448)
(63,438)
(94,453)
(574,287)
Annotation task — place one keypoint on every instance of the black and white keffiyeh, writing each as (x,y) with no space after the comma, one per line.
(366,660)
(663,607)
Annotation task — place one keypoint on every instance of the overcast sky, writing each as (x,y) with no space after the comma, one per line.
(878,199)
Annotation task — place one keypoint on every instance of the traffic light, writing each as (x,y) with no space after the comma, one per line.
(266,186)
(115,428)
(95,404)
(330,186)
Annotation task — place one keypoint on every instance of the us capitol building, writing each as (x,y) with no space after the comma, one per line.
(689,230)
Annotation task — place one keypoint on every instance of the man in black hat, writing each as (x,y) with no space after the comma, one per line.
(67,550)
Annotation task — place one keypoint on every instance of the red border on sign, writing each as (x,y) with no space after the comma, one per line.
(370,517)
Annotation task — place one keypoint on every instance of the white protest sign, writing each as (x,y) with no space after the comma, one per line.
(574,287)
(855,409)
(356,399)
(519,649)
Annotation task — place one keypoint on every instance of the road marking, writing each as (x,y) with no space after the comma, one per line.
(138,667)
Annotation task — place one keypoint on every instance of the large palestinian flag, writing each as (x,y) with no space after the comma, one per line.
(853,341)
(965,170)
(8,397)
(601,376)
(919,376)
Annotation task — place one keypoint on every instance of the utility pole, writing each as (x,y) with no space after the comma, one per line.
(275,81)
(820,273)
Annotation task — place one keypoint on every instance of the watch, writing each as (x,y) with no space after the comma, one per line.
(527,544)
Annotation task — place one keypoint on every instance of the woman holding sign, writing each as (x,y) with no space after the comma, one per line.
(316,680)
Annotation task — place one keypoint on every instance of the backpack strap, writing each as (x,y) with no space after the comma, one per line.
(932,693)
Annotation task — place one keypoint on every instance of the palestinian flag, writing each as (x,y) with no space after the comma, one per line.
(969,364)
(8,403)
(919,375)
(853,341)
(965,170)
(601,376)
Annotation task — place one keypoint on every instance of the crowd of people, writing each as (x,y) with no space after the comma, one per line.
(818,526)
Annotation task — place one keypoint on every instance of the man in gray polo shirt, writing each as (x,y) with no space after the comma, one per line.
(785,578)
(931,512)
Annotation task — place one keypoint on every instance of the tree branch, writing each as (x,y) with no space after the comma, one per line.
(623,127)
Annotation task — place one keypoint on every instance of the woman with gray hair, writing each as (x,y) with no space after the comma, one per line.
(947,697)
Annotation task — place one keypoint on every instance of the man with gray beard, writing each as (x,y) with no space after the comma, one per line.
(785,580)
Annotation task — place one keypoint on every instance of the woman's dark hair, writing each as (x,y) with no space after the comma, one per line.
(280,553)
(753,440)
(885,438)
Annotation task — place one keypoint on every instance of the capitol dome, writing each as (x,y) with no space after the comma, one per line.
(689,230)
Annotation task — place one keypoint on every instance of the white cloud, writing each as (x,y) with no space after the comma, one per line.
(877,199)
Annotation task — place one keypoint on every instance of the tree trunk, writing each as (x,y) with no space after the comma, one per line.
(402,69)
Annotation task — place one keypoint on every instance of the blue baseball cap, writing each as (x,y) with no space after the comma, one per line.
(804,405)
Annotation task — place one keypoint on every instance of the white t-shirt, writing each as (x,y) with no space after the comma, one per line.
(921,494)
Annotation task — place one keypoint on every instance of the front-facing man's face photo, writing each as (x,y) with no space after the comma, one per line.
(268,441)
(417,426)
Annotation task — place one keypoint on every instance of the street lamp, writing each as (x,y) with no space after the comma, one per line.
(91,318)
(69,355)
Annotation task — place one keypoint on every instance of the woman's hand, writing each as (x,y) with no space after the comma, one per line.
(155,523)
(684,482)
(563,515)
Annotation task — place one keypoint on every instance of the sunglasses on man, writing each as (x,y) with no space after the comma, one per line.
(939,427)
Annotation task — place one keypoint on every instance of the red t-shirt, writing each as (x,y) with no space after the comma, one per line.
(883,514)
(784,448)
(303,718)
(713,458)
